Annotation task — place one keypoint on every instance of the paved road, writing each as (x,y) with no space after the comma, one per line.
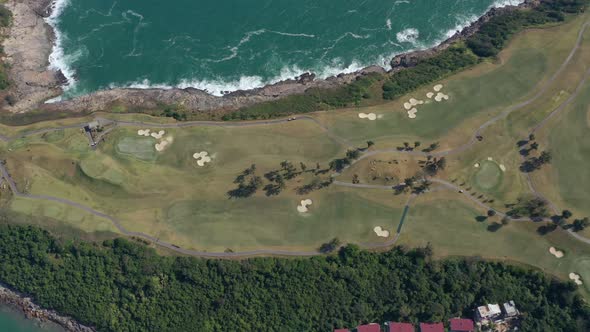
(473,140)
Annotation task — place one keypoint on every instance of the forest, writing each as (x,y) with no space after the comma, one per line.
(123,285)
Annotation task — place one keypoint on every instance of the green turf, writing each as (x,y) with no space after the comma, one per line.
(488,176)
(139,147)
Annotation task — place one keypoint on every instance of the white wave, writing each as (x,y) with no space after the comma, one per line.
(57,59)
(504,3)
(409,35)
(388,24)
(219,87)
(292,34)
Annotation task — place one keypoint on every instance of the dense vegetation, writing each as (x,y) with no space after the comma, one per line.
(314,99)
(5,19)
(124,286)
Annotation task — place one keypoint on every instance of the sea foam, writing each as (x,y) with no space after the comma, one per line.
(57,58)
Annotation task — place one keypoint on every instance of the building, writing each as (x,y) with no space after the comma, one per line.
(487,313)
(436,327)
(399,327)
(372,327)
(510,310)
(461,325)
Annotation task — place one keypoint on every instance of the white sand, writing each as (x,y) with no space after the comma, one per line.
(429,95)
(143,132)
(440,96)
(503,168)
(159,134)
(407,106)
(412,113)
(420,102)
(476,165)
(164,143)
(490,158)
(381,232)
(576,278)
(302,207)
(370,116)
(202,158)
(555,252)
(438,87)
(413,101)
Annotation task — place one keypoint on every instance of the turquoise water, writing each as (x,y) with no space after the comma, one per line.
(13,321)
(225,45)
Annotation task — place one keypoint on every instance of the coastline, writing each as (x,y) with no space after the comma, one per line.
(31,310)
(34,82)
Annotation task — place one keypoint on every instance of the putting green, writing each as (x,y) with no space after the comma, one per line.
(488,175)
(141,148)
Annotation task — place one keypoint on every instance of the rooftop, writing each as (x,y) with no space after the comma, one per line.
(373,327)
(436,327)
(400,327)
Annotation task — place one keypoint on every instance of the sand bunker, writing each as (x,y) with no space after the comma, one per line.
(158,135)
(381,232)
(576,278)
(429,95)
(440,96)
(407,106)
(476,165)
(555,252)
(202,158)
(437,87)
(370,116)
(164,143)
(490,158)
(412,113)
(503,168)
(143,132)
(302,207)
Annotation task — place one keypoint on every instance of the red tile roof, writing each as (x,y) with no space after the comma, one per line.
(341,330)
(436,327)
(369,328)
(400,327)
(459,324)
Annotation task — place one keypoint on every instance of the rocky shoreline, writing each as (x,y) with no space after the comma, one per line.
(33,311)
(30,40)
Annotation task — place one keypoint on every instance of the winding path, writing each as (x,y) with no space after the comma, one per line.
(472,141)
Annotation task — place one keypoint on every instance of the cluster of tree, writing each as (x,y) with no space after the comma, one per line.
(408,147)
(124,286)
(314,99)
(535,163)
(339,164)
(433,165)
(493,35)
(530,207)
(248,183)
(5,20)
(316,183)
(174,112)
(415,184)
(428,70)
(330,246)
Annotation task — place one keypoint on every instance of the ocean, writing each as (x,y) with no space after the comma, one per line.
(14,321)
(228,45)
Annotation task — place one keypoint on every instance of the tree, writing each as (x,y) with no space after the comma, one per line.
(370,144)
(580,224)
(566,214)
(330,246)
(535,146)
(491,213)
(303,166)
(531,137)
(417,144)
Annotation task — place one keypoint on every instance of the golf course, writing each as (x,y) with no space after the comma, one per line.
(471,143)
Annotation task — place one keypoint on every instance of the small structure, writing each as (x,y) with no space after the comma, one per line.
(372,327)
(435,327)
(488,313)
(510,310)
(461,325)
(399,327)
